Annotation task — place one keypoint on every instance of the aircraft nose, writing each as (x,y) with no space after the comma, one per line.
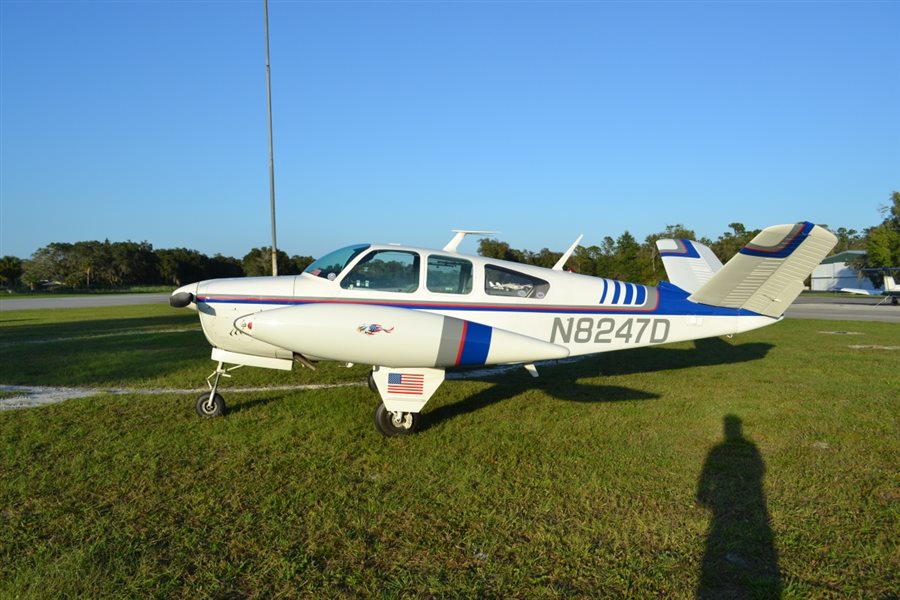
(180,299)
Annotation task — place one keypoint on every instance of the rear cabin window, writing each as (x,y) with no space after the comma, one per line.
(506,282)
(385,271)
(448,275)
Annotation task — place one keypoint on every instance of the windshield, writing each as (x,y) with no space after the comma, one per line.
(330,266)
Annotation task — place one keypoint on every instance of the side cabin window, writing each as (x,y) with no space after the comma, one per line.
(448,275)
(385,271)
(505,282)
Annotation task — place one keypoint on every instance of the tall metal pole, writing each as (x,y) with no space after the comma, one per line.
(271,146)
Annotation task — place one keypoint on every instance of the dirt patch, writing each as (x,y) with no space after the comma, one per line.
(33,396)
(873,347)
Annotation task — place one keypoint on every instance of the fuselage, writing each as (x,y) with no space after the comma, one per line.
(582,314)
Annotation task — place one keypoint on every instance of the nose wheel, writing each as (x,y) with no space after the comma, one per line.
(390,423)
(210,405)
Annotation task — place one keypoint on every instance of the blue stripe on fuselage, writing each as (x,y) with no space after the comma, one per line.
(641,295)
(476,345)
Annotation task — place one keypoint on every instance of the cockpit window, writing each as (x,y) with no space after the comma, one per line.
(331,265)
(385,271)
(448,275)
(505,282)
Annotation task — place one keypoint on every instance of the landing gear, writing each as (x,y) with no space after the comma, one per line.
(210,405)
(396,423)
(372,385)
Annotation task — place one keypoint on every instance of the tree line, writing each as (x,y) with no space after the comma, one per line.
(117,264)
(93,264)
(625,258)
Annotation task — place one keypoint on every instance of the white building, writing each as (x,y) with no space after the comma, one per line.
(835,273)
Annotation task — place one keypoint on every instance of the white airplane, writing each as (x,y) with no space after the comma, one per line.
(891,291)
(412,313)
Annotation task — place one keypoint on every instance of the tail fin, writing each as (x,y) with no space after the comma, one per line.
(767,275)
(688,264)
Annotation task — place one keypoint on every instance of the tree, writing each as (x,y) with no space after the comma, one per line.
(301,262)
(883,241)
(492,248)
(223,266)
(84,260)
(10,271)
(626,266)
(545,258)
(47,264)
(258,262)
(180,265)
(848,239)
(132,262)
(730,242)
(650,253)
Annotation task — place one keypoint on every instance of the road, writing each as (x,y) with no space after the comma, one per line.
(843,309)
(97,300)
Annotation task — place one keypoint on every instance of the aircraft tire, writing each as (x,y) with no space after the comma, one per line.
(389,425)
(210,407)
(372,385)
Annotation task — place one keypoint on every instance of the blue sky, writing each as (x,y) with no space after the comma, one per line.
(398,121)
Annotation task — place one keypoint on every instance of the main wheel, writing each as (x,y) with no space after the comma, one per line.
(372,385)
(210,406)
(396,423)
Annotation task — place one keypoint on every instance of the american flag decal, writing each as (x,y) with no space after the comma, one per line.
(406,383)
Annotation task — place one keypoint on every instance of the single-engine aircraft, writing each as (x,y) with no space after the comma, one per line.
(891,291)
(413,313)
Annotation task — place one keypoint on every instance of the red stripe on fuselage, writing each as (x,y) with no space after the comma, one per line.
(462,343)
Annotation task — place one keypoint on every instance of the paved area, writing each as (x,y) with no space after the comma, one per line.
(82,301)
(841,311)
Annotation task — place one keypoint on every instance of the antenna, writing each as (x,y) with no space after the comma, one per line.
(453,244)
(562,259)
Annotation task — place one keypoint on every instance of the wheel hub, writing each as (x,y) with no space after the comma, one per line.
(401,420)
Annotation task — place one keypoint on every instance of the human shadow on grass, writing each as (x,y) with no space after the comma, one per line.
(740,559)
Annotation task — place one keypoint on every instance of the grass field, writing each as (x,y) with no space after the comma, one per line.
(763,466)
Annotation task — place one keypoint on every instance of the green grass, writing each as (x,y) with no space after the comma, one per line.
(608,477)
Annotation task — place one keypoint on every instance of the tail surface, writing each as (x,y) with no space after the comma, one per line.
(890,286)
(767,275)
(688,264)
